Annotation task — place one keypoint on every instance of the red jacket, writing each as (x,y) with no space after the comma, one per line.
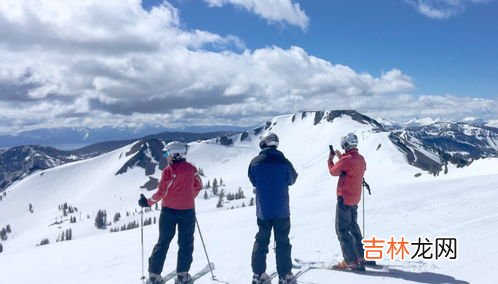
(350,168)
(179,186)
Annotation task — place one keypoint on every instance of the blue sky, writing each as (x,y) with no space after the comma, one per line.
(182,63)
(457,55)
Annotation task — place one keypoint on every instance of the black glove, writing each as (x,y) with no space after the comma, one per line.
(143,201)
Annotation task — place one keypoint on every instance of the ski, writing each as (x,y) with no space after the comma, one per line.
(302,271)
(330,266)
(297,275)
(301,263)
(272,275)
(322,265)
(169,276)
(203,271)
(196,276)
(377,266)
(337,268)
(165,278)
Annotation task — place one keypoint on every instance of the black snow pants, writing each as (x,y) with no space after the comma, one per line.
(281,229)
(168,220)
(348,231)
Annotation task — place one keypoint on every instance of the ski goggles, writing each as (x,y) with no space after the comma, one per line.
(166,154)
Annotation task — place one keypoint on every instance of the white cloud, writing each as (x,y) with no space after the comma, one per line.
(442,9)
(492,123)
(446,107)
(275,11)
(94,63)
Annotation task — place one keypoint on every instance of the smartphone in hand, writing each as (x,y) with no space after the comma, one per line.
(331,148)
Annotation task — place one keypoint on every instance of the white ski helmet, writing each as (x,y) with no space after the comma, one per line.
(349,141)
(268,139)
(175,149)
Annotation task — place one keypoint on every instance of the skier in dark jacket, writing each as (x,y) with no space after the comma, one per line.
(272,174)
(350,168)
(179,186)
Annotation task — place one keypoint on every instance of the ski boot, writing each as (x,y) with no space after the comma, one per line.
(183,278)
(154,279)
(370,263)
(262,278)
(289,278)
(352,265)
(363,262)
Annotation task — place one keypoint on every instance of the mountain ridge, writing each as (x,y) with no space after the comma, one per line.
(430,148)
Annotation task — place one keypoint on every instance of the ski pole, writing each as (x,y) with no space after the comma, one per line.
(142,240)
(205,251)
(364,234)
(365,185)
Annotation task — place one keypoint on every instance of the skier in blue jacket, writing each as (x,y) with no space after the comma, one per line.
(272,174)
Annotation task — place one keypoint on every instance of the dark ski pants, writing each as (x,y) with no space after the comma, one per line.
(348,231)
(281,229)
(168,220)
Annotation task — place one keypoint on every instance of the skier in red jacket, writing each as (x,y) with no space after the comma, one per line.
(179,186)
(350,168)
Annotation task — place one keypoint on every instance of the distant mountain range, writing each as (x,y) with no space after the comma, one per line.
(20,161)
(73,137)
(431,146)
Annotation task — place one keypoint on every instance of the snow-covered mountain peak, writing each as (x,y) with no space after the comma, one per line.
(421,122)
(474,120)
(330,116)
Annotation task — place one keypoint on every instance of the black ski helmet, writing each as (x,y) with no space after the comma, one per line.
(269,139)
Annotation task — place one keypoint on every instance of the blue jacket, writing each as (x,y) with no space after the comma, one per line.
(271,174)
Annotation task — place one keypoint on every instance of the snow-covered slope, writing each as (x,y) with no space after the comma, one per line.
(88,185)
(461,204)
(19,162)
